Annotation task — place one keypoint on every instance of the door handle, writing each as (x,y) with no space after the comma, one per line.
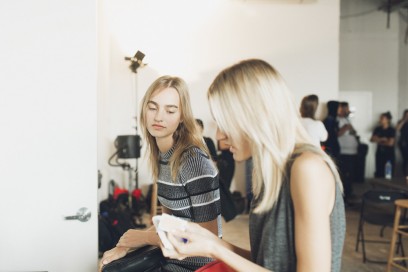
(83,215)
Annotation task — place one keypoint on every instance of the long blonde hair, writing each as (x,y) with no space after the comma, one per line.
(251,101)
(186,134)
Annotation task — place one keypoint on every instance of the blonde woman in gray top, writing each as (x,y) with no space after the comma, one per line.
(297,220)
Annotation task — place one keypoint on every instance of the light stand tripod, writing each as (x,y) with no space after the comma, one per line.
(128,147)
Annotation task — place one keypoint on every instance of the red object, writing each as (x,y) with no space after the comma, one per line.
(137,193)
(118,191)
(215,266)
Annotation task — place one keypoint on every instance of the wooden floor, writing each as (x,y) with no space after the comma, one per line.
(236,231)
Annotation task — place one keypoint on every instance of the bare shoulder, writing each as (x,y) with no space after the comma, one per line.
(312,180)
(312,166)
(309,162)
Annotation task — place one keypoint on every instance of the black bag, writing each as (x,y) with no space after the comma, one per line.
(147,258)
(114,220)
(107,236)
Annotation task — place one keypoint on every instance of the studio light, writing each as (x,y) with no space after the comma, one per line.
(136,61)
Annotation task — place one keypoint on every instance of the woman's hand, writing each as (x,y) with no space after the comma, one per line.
(112,255)
(199,242)
(132,238)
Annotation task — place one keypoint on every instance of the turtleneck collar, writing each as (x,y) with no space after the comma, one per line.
(167,155)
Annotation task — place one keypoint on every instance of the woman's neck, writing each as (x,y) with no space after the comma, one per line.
(164,144)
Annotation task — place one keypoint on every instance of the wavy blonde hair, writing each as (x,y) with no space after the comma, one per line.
(186,134)
(251,101)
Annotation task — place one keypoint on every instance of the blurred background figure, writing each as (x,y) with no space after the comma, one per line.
(226,169)
(402,128)
(208,141)
(331,145)
(384,137)
(315,128)
(225,163)
(348,141)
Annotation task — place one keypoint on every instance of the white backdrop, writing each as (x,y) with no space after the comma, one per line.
(195,40)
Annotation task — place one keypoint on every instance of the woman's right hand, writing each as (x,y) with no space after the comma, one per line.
(199,242)
(112,255)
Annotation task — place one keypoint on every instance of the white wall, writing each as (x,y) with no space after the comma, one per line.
(195,40)
(373,59)
(369,54)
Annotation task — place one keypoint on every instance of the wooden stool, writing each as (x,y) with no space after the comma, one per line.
(398,230)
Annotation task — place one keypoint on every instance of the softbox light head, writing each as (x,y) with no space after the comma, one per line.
(128,146)
(136,61)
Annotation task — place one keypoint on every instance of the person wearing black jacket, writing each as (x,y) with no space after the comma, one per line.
(402,128)
(331,145)
(208,141)
(384,137)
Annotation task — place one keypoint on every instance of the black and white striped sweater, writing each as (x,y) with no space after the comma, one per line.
(193,196)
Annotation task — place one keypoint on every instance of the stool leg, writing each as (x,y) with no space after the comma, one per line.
(394,238)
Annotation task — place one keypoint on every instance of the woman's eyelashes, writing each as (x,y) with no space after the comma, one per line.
(167,111)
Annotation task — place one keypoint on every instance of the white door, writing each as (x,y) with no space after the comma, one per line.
(48,135)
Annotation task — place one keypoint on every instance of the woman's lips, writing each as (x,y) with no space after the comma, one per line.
(157,126)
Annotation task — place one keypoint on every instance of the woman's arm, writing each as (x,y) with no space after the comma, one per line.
(382,140)
(313,192)
(137,238)
(374,139)
(202,242)
(389,141)
(343,129)
(130,240)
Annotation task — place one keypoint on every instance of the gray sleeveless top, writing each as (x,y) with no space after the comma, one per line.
(272,235)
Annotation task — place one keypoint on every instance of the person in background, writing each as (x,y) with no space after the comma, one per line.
(225,163)
(402,128)
(297,217)
(331,145)
(248,183)
(348,142)
(384,137)
(314,127)
(186,177)
(226,168)
(208,141)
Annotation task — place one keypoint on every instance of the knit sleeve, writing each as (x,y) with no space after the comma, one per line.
(200,179)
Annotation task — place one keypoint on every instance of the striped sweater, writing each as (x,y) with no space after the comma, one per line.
(193,196)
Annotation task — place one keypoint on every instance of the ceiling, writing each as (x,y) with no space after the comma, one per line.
(392,5)
(389,6)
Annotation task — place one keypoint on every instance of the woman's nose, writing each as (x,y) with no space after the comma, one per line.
(220,135)
(158,117)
